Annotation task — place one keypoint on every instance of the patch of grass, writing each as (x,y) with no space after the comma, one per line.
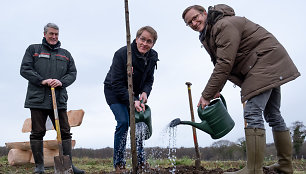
(6,168)
(95,165)
(184,161)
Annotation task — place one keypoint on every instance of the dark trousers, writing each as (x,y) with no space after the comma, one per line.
(39,118)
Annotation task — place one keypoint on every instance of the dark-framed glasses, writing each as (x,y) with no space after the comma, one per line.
(149,41)
(194,18)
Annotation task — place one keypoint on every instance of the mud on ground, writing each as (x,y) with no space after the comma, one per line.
(187,170)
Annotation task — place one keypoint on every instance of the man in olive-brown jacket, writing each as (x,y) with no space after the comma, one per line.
(252,58)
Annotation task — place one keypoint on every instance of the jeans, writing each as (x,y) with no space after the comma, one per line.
(122,117)
(267,104)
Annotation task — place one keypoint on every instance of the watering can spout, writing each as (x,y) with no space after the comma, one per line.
(202,126)
(216,121)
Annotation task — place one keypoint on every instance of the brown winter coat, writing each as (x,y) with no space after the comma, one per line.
(244,53)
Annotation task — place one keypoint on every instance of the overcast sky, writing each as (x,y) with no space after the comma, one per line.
(93,30)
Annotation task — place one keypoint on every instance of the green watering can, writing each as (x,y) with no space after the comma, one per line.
(216,121)
(143,122)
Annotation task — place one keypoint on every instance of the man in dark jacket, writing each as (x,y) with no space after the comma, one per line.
(252,58)
(144,60)
(47,65)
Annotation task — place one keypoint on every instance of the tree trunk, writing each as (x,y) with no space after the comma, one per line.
(130,90)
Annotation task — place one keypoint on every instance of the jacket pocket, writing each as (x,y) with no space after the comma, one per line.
(265,51)
(249,64)
(35,94)
(41,65)
(61,65)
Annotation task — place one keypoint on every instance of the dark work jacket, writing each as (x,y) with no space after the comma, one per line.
(40,62)
(116,84)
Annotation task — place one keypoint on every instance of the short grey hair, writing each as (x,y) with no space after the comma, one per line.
(50,25)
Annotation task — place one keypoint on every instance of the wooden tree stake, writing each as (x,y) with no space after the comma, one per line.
(130,90)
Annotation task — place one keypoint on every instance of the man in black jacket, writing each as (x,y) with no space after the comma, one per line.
(144,60)
(47,65)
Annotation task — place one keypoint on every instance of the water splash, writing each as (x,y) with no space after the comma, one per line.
(141,131)
(171,132)
(128,153)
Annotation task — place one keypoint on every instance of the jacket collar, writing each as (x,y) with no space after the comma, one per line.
(51,47)
(148,55)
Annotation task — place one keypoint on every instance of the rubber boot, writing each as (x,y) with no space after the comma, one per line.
(283,145)
(256,145)
(67,151)
(37,148)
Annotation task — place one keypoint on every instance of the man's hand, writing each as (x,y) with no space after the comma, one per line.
(139,106)
(143,97)
(217,95)
(52,82)
(203,103)
(46,82)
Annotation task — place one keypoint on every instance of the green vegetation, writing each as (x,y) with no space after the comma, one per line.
(95,165)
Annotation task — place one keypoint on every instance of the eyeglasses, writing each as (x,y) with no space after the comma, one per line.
(195,17)
(143,39)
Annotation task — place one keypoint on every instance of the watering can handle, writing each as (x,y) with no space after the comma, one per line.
(141,102)
(223,100)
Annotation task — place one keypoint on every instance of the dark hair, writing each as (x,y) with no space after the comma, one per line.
(196,7)
(148,29)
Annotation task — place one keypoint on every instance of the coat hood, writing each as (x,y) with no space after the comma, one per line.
(219,11)
(214,14)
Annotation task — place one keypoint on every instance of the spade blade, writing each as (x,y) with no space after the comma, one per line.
(62,165)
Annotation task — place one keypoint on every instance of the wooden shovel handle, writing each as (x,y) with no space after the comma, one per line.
(57,125)
(195,139)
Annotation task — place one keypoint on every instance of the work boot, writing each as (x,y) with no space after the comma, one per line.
(255,147)
(67,151)
(283,145)
(37,148)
